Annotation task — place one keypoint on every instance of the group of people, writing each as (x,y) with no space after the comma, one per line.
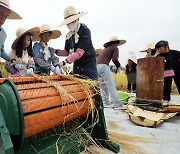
(42,59)
(171,68)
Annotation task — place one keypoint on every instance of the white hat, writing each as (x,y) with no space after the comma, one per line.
(70,15)
(12,14)
(21,31)
(132,57)
(149,46)
(46,28)
(115,39)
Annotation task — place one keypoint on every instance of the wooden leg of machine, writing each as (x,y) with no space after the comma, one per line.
(99,132)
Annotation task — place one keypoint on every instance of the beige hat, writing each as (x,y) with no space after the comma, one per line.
(115,39)
(149,46)
(21,31)
(46,28)
(132,56)
(70,15)
(12,14)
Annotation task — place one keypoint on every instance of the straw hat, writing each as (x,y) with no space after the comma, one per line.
(149,46)
(115,39)
(21,31)
(12,14)
(132,57)
(70,15)
(46,28)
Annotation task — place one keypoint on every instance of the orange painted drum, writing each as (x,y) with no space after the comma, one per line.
(45,107)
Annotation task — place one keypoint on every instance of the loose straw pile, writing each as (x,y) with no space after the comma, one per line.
(128,143)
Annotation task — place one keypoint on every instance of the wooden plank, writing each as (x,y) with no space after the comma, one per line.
(172,109)
(48,92)
(150,77)
(42,103)
(26,79)
(30,85)
(36,123)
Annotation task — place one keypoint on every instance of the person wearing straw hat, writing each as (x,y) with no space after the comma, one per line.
(150,50)
(22,53)
(172,67)
(130,71)
(108,87)
(44,57)
(78,45)
(5,13)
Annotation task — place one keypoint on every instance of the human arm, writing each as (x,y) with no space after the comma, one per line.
(4,55)
(61,52)
(75,56)
(83,44)
(115,57)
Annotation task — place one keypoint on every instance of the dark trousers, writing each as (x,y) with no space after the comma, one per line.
(89,70)
(167,86)
(133,86)
(1,75)
(131,77)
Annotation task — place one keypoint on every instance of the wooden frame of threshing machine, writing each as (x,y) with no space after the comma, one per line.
(33,115)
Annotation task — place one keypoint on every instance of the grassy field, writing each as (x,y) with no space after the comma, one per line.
(121,82)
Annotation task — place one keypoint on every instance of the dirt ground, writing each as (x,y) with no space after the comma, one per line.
(134,139)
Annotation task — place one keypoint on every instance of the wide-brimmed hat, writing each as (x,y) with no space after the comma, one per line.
(149,46)
(70,15)
(12,14)
(21,31)
(115,39)
(132,57)
(46,28)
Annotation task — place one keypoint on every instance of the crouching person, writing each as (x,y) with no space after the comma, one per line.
(22,63)
(45,60)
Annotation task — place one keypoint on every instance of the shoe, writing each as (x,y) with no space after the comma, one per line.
(165,102)
(128,91)
(123,107)
(105,105)
(134,91)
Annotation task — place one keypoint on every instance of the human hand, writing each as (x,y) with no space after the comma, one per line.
(14,61)
(55,70)
(19,66)
(61,64)
(122,68)
(53,49)
(118,70)
(29,71)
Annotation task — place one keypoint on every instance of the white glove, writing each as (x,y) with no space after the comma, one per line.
(19,66)
(29,71)
(55,69)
